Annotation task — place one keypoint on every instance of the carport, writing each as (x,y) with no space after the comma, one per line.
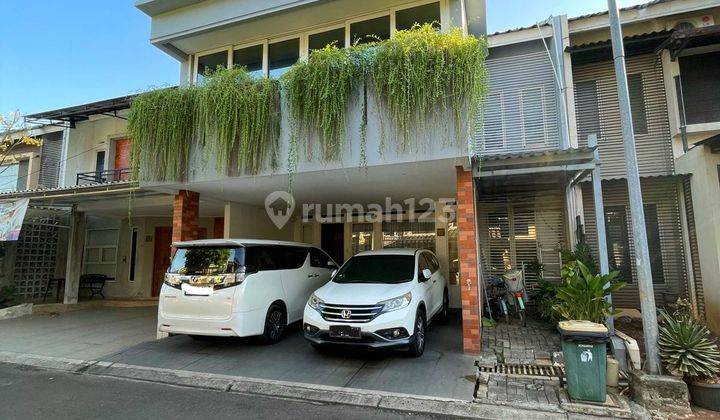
(127,335)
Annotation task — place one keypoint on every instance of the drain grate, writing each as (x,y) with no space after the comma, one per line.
(525,370)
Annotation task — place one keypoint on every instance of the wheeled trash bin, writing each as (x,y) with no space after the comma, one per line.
(584,346)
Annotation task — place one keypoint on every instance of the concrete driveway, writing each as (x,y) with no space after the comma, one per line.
(126,335)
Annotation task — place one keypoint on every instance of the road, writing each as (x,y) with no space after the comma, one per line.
(30,393)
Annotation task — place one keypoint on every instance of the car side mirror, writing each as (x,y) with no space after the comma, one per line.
(426,273)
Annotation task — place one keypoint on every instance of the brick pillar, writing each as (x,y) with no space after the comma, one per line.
(467,254)
(219,228)
(186,211)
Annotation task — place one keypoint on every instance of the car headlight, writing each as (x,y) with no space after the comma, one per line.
(315,302)
(396,303)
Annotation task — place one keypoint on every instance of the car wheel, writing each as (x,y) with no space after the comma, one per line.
(418,345)
(445,311)
(275,324)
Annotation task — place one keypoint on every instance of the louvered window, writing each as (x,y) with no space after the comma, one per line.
(652,229)
(419,235)
(637,103)
(533,117)
(493,134)
(588,113)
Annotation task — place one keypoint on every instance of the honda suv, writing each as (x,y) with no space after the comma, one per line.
(378,299)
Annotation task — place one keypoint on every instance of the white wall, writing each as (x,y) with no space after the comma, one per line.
(705,187)
(88,138)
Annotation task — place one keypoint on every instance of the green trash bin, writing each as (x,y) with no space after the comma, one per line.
(584,350)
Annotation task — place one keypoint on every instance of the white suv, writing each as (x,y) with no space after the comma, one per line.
(239,287)
(378,299)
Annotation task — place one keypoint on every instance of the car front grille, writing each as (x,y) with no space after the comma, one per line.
(349,313)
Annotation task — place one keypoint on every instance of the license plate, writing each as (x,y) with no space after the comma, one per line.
(344,331)
(191,290)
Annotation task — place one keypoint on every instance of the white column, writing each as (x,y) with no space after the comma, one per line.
(76,246)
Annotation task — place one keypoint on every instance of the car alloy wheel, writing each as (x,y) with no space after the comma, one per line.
(420,333)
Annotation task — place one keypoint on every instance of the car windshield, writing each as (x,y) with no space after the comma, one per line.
(390,269)
(207,260)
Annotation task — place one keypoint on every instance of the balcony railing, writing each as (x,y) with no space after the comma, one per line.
(102,177)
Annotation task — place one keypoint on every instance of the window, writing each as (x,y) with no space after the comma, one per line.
(420,235)
(652,230)
(362,234)
(423,263)
(371,30)
(101,251)
(266,258)
(251,58)
(22,178)
(637,103)
(334,37)
(206,64)
(320,259)
(9,177)
(383,269)
(700,86)
(427,13)
(618,245)
(100,161)
(282,55)
(588,113)
(207,260)
(493,134)
(133,254)
(533,117)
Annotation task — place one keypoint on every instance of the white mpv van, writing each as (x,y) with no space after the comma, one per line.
(378,299)
(237,287)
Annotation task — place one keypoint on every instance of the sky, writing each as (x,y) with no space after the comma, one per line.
(55,54)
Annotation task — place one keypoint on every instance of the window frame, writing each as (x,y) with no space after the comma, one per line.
(543,111)
(100,248)
(304,34)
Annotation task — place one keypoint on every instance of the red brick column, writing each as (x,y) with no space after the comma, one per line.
(186,211)
(219,228)
(467,253)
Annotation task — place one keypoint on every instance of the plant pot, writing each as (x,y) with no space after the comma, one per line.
(705,395)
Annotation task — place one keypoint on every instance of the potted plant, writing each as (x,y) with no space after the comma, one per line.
(686,350)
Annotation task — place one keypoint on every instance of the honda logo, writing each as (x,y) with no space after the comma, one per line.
(346,314)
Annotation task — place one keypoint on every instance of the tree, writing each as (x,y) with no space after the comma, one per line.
(13,133)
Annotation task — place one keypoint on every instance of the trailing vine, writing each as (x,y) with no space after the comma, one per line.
(160,123)
(233,117)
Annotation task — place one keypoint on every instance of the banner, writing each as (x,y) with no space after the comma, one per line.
(12,214)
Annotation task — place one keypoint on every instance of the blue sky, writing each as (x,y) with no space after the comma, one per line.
(61,53)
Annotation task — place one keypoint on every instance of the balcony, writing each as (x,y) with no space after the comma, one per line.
(103,177)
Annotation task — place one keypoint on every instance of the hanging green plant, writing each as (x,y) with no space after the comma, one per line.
(421,73)
(318,92)
(232,117)
(238,120)
(160,123)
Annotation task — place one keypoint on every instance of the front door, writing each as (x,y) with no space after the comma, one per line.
(332,240)
(161,260)
(122,158)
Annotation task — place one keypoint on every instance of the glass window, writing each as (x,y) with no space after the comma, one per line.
(700,87)
(362,234)
(207,64)
(334,37)
(282,55)
(427,13)
(416,235)
(533,116)
(259,258)
(389,269)
(318,258)
(423,263)
(652,229)
(288,257)
(133,253)
(637,103)
(588,111)
(8,177)
(251,58)
(104,237)
(207,260)
(618,244)
(372,30)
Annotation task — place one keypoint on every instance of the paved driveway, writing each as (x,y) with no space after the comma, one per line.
(126,335)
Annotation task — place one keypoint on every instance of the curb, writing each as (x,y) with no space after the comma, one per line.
(282,389)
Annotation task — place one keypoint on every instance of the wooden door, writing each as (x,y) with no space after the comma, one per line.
(122,158)
(161,259)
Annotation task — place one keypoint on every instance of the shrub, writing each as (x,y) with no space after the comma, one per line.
(582,294)
(686,349)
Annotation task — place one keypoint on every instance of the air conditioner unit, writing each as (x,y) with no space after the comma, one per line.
(692,22)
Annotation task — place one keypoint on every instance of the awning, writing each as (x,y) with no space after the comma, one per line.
(602,50)
(683,39)
(67,117)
